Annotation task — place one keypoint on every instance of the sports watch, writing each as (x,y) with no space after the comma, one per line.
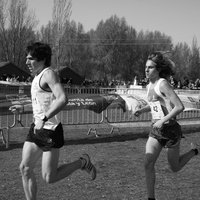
(44,118)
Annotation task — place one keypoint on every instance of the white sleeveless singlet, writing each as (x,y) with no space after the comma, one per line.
(159,104)
(42,101)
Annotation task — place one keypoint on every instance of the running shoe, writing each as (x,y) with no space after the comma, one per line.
(88,166)
(195,147)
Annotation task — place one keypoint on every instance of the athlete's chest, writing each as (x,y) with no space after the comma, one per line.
(155,102)
(35,85)
(153,96)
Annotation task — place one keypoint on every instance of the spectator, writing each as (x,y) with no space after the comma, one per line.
(179,84)
(191,85)
(185,82)
(197,83)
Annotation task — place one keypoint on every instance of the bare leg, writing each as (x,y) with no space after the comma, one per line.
(51,172)
(176,161)
(153,149)
(30,155)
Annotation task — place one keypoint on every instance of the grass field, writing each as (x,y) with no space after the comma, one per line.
(119,159)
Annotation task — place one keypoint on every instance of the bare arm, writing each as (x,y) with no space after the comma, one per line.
(168,91)
(145,109)
(51,80)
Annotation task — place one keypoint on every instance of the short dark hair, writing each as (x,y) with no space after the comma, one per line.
(163,63)
(40,51)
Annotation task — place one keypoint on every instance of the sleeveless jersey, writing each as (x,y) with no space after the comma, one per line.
(159,104)
(42,101)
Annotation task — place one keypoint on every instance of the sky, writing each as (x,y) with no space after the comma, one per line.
(179,19)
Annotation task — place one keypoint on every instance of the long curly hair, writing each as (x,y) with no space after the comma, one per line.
(163,62)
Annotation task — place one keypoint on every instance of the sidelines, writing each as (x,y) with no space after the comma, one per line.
(187,124)
(113,118)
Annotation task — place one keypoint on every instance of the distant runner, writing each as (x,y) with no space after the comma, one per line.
(164,105)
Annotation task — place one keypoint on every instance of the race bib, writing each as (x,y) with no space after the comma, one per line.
(156,110)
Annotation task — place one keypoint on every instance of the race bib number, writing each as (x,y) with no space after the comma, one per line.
(156,110)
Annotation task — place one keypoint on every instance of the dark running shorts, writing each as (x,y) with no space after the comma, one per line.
(168,136)
(46,139)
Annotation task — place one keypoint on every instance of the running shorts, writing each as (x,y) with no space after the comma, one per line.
(169,136)
(46,139)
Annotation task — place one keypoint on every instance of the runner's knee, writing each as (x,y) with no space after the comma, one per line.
(49,178)
(149,164)
(25,170)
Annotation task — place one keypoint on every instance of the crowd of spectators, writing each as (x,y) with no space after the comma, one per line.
(177,84)
(14,79)
(185,83)
(113,83)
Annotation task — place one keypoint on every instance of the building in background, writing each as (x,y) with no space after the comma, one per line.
(10,72)
(69,76)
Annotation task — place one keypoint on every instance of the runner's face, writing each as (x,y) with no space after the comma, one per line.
(150,70)
(33,65)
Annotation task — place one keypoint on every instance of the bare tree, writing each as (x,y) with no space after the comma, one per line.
(16,28)
(61,17)
(3,23)
(20,22)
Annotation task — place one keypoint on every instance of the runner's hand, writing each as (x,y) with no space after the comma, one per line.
(137,113)
(39,126)
(158,125)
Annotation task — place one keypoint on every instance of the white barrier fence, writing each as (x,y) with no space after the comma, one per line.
(83,118)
